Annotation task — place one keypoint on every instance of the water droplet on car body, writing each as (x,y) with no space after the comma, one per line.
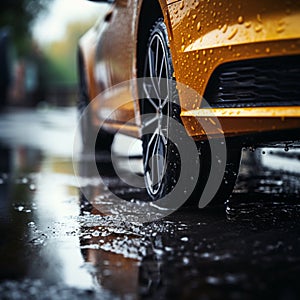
(258,28)
(240,20)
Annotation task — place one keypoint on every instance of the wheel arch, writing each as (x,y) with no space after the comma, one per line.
(145,23)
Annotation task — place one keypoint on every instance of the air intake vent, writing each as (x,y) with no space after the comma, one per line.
(262,82)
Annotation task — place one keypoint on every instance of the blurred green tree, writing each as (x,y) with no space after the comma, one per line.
(62,54)
(18,15)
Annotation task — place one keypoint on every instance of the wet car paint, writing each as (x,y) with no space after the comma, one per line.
(203,35)
(54,245)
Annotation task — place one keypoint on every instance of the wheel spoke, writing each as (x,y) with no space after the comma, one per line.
(153,55)
(160,158)
(163,137)
(157,168)
(154,170)
(148,96)
(147,122)
(150,120)
(165,101)
(154,85)
(147,87)
(150,60)
(149,146)
(163,63)
(156,55)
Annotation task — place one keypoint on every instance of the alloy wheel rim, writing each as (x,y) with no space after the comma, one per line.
(157,94)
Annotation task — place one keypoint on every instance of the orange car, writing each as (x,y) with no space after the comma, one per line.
(239,58)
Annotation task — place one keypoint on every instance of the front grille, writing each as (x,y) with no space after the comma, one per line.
(260,82)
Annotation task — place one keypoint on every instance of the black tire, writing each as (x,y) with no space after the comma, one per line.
(224,190)
(172,164)
(104,139)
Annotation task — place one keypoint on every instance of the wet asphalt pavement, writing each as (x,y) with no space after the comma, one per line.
(54,245)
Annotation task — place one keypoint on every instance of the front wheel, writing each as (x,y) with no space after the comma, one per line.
(158,105)
(160,156)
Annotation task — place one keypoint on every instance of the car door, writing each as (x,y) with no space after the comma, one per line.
(115,63)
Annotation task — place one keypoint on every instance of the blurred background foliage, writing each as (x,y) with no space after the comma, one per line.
(18,16)
(40,70)
(61,54)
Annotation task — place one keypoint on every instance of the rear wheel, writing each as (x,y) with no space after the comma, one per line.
(161,159)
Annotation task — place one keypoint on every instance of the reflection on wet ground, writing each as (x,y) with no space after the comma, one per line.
(55,245)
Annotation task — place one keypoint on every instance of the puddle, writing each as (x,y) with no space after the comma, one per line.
(38,289)
(66,249)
